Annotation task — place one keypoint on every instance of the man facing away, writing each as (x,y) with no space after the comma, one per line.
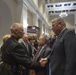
(14,55)
(63,55)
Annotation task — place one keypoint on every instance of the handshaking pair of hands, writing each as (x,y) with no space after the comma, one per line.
(43,61)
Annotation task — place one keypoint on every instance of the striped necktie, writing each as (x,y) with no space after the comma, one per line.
(37,55)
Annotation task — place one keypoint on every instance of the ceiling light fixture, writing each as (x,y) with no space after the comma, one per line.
(63,14)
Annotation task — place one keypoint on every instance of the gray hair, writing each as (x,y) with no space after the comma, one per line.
(44,37)
(59,20)
(15,26)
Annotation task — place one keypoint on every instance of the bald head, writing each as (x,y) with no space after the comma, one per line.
(25,37)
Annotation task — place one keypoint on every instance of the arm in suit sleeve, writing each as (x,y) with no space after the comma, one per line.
(70,53)
(22,58)
(47,53)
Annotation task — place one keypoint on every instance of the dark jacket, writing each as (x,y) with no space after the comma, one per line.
(45,52)
(63,55)
(28,50)
(14,54)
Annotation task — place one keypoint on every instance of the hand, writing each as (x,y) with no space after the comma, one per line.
(32,72)
(43,61)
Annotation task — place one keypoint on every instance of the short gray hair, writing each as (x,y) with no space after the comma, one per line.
(59,20)
(15,26)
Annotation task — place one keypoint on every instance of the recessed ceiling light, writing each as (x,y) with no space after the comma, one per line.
(63,14)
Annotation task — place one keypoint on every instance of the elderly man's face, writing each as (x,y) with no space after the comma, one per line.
(41,41)
(56,28)
(25,38)
(19,32)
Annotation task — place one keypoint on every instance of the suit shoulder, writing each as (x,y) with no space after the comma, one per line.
(12,43)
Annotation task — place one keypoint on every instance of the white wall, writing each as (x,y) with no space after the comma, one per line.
(7,16)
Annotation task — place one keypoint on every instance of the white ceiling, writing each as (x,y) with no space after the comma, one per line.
(70,19)
(57,1)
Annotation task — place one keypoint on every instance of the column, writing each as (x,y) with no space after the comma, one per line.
(35,20)
(19,10)
(22,13)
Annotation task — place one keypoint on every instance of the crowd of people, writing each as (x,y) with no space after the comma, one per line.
(24,55)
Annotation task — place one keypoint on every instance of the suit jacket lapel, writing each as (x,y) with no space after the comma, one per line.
(41,51)
(25,46)
(58,38)
(56,41)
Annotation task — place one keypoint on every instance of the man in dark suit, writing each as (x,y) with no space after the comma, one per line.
(35,42)
(14,55)
(27,46)
(25,42)
(63,55)
(43,52)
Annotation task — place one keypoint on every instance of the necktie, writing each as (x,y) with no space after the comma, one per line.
(37,55)
(27,47)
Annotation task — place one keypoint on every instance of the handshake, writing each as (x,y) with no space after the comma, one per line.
(43,62)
